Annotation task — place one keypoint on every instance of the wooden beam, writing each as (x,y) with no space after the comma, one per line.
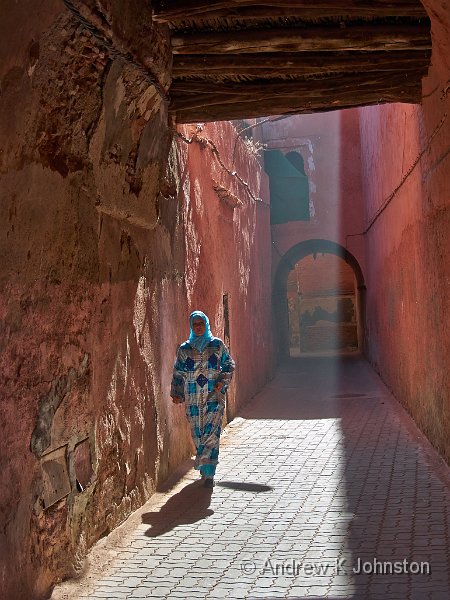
(171,11)
(273,105)
(273,65)
(196,92)
(279,106)
(324,38)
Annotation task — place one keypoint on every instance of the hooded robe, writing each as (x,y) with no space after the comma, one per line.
(201,362)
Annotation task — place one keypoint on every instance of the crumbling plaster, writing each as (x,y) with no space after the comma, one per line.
(98,275)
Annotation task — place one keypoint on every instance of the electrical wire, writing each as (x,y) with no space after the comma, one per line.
(215,151)
(390,197)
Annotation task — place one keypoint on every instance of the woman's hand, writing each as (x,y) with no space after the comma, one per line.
(177,399)
(218,387)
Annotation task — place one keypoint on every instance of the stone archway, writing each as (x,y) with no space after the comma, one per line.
(279,288)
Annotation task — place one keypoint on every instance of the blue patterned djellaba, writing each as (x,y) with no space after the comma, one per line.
(195,374)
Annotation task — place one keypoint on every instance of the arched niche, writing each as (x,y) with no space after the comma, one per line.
(279,288)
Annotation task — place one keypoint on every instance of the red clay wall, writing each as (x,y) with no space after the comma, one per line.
(408,271)
(82,281)
(408,276)
(96,287)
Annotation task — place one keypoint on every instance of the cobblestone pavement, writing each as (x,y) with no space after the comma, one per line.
(321,472)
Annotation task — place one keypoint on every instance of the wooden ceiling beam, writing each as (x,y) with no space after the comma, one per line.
(170,11)
(316,38)
(194,95)
(272,65)
(281,106)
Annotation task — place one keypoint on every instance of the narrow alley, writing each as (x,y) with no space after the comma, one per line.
(322,474)
(243,206)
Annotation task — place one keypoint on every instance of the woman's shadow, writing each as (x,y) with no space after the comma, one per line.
(189,505)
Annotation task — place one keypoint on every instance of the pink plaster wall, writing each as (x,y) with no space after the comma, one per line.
(408,276)
(85,269)
(408,271)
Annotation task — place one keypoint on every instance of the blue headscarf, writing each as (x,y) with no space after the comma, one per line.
(200,341)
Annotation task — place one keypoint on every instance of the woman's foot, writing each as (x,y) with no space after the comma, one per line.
(209,482)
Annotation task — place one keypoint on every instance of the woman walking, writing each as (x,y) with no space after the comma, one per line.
(202,372)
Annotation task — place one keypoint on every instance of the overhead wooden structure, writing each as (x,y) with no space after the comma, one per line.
(235,59)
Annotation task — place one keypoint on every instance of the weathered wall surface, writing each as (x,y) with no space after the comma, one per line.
(97,279)
(439,13)
(84,270)
(408,275)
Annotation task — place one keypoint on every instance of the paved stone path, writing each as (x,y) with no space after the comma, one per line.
(322,471)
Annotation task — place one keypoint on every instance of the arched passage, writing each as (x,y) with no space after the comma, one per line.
(279,290)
